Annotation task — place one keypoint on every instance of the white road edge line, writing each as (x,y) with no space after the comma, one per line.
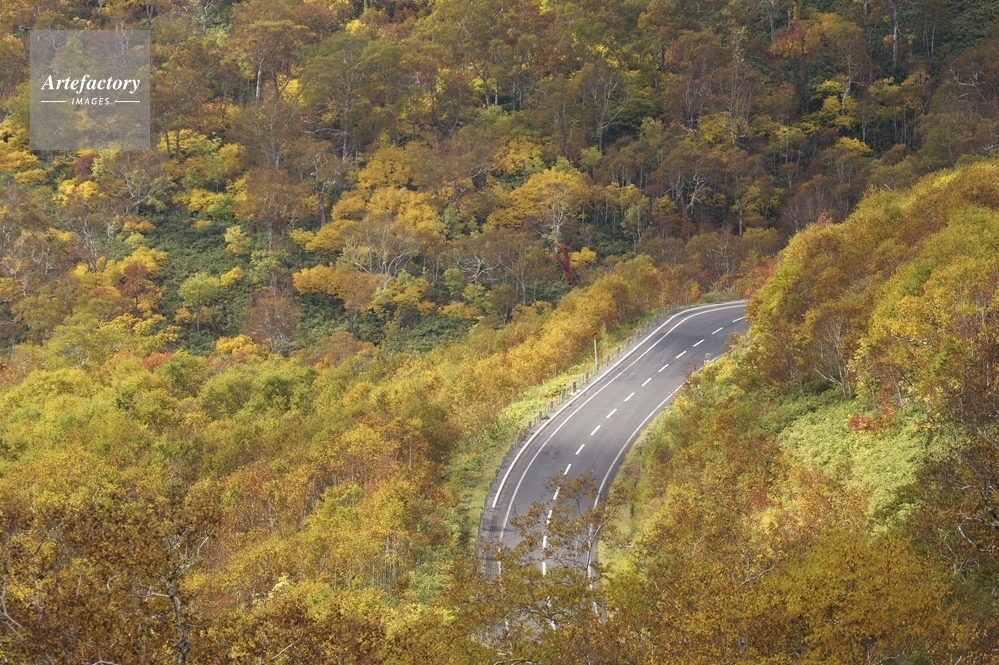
(603,483)
(611,414)
(627,443)
(686,314)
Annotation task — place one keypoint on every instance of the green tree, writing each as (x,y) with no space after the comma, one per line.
(198,291)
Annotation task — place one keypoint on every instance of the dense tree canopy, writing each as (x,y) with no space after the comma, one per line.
(252,378)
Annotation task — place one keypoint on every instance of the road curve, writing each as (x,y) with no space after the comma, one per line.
(593,430)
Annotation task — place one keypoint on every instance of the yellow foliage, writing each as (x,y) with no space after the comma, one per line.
(301,236)
(405,290)
(237,241)
(318,279)
(389,167)
(152,259)
(550,200)
(237,188)
(458,310)
(582,258)
(16,160)
(202,201)
(515,156)
(326,240)
(15,154)
(240,344)
(231,278)
(135,225)
(31,177)
(351,205)
(292,90)
(183,315)
(354,288)
(233,157)
(68,188)
(853,146)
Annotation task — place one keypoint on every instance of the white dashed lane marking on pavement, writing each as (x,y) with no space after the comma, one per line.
(701,342)
(681,353)
(611,413)
(566,473)
(646,381)
(629,397)
(581,449)
(719,330)
(663,367)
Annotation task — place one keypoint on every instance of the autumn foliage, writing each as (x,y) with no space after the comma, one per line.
(244,372)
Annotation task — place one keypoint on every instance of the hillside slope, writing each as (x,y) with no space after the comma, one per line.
(827,493)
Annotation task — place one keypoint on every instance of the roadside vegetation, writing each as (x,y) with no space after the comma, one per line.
(252,379)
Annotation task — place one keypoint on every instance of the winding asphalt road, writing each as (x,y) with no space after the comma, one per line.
(593,431)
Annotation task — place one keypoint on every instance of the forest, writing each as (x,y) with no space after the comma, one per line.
(253,380)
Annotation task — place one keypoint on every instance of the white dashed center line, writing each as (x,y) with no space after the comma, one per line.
(594,430)
(738,319)
(719,330)
(566,472)
(701,342)
(629,397)
(646,382)
(663,367)
(681,353)
(555,498)
(581,449)
(611,413)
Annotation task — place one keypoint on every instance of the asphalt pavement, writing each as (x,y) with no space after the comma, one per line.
(592,432)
